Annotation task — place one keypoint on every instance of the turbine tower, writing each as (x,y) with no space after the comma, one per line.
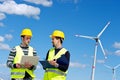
(97,40)
(113,70)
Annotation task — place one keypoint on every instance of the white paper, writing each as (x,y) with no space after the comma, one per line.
(31,59)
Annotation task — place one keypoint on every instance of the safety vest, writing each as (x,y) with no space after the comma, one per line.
(20,72)
(55,73)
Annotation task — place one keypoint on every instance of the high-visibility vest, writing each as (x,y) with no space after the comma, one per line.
(20,72)
(55,73)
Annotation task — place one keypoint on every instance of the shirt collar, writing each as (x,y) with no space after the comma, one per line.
(23,46)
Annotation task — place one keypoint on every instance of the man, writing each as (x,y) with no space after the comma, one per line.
(58,57)
(22,71)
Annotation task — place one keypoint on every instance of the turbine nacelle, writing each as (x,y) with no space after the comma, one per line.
(97,40)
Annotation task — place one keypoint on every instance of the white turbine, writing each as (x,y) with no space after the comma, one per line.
(113,70)
(97,40)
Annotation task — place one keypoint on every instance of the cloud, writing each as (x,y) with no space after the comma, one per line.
(2,16)
(39,67)
(8,36)
(85,55)
(71,1)
(116,45)
(1,24)
(46,3)
(76,1)
(117,52)
(37,79)
(11,7)
(5,0)
(101,61)
(2,0)
(4,75)
(4,46)
(3,65)
(1,39)
(77,65)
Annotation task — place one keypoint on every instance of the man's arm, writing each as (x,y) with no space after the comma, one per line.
(63,61)
(11,57)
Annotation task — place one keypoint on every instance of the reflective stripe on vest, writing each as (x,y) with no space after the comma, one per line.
(52,56)
(20,72)
(18,79)
(17,73)
(56,71)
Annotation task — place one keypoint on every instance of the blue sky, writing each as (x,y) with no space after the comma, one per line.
(86,17)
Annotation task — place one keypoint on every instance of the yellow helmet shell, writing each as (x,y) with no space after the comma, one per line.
(26,32)
(58,33)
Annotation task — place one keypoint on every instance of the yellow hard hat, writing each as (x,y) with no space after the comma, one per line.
(58,33)
(26,31)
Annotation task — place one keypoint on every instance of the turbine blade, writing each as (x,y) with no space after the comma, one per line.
(89,37)
(117,66)
(108,66)
(103,29)
(102,49)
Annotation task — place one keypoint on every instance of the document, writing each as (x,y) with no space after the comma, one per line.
(31,59)
(46,64)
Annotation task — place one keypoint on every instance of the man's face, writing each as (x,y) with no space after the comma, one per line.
(55,41)
(26,39)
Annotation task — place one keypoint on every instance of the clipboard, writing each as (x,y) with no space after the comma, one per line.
(46,64)
(31,59)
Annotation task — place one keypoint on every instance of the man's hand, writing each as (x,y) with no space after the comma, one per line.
(54,63)
(18,65)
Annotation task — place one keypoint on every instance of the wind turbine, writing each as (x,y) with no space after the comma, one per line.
(113,70)
(97,40)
